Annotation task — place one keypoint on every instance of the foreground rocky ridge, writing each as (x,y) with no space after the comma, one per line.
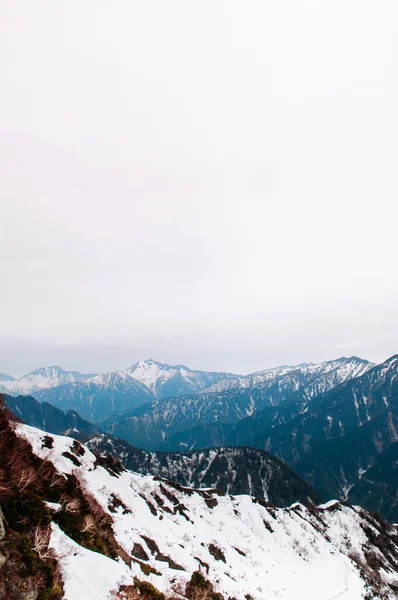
(116,534)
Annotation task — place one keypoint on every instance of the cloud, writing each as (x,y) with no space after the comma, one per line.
(212,184)
(348,345)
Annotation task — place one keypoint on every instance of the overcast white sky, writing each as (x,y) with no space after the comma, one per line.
(212,183)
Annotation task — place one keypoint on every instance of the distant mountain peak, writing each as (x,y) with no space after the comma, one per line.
(150,363)
(49,369)
(39,379)
(5,377)
(352,358)
(172,380)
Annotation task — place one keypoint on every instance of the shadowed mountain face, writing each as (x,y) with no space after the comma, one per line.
(231,470)
(49,418)
(377,489)
(97,398)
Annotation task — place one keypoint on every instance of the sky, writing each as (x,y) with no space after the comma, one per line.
(209,183)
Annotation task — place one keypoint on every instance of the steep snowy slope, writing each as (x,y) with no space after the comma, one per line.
(246,549)
(47,377)
(100,396)
(166,380)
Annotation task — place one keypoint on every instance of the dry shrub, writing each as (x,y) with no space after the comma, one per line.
(71,505)
(127,592)
(141,590)
(199,588)
(41,539)
(28,565)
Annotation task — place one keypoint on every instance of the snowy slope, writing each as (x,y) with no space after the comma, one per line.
(245,548)
(47,377)
(86,575)
(166,380)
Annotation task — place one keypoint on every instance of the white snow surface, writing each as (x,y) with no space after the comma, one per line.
(179,379)
(86,575)
(270,554)
(150,373)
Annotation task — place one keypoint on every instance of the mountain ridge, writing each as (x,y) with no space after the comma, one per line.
(42,378)
(172,380)
(154,425)
(167,534)
(231,470)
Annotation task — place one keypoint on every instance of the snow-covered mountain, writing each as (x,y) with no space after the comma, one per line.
(240,382)
(5,377)
(333,437)
(165,381)
(150,535)
(283,381)
(44,378)
(99,396)
(159,426)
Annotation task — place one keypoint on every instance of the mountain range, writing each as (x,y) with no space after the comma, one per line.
(230,470)
(168,424)
(74,525)
(97,396)
(46,377)
(331,422)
